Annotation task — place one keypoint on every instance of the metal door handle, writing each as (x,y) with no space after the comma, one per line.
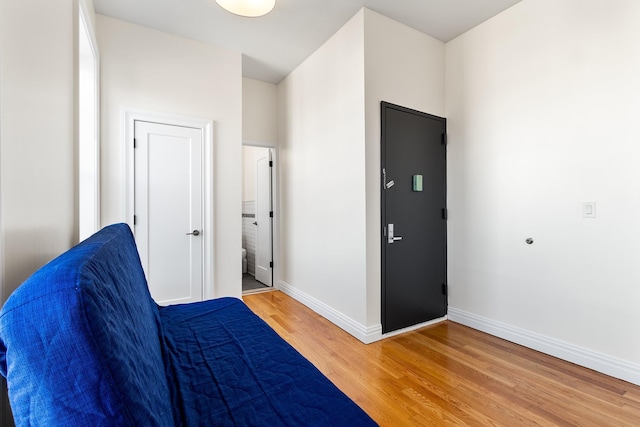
(255,222)
(194,233)
(390,237)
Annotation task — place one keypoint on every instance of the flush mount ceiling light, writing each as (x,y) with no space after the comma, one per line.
(248,8)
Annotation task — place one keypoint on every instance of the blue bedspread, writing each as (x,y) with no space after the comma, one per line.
(230,368)
(82,343)
(79,340)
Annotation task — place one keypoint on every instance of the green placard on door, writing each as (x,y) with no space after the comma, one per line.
(417,182)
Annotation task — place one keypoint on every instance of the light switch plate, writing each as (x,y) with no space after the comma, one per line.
(589,210)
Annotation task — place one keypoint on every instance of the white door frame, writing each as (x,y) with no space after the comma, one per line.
(84,23)
(206,126)
(275,205)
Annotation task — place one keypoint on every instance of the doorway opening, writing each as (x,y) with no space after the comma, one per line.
(257,218)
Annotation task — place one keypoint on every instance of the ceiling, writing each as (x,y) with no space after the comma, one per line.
(272,46)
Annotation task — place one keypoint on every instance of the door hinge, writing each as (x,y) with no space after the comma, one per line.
(135,220)
(445,214)
(135,143)
(444,139)
(445,289)
(271,214)
(270,163)
(271,264)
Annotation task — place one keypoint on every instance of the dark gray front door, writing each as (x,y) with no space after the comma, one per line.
(414,243)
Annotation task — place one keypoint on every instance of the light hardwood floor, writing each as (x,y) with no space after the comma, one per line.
(448,374)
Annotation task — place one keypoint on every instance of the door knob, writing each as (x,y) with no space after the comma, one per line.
(194,233)
(255,222)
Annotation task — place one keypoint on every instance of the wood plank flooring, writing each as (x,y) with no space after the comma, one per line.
(451,375)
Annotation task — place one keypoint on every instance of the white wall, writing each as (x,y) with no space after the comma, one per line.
(542,107)
(147,70)
(404,67)
(259,112)
(37,88)
(322,181)
(330,151)
(37,138)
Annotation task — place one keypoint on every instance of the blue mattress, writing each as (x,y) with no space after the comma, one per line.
(230,368)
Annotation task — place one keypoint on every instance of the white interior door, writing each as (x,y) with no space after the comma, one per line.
(263,219)
(168,210)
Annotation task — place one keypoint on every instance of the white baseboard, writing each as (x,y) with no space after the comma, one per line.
(609,365)
(603,363)
(365,334)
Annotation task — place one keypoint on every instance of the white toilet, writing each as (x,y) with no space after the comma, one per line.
(244,260)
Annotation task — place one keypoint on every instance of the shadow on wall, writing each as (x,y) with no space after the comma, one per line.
(28,250)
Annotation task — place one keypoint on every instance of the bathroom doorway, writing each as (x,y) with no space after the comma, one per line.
(257,218)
